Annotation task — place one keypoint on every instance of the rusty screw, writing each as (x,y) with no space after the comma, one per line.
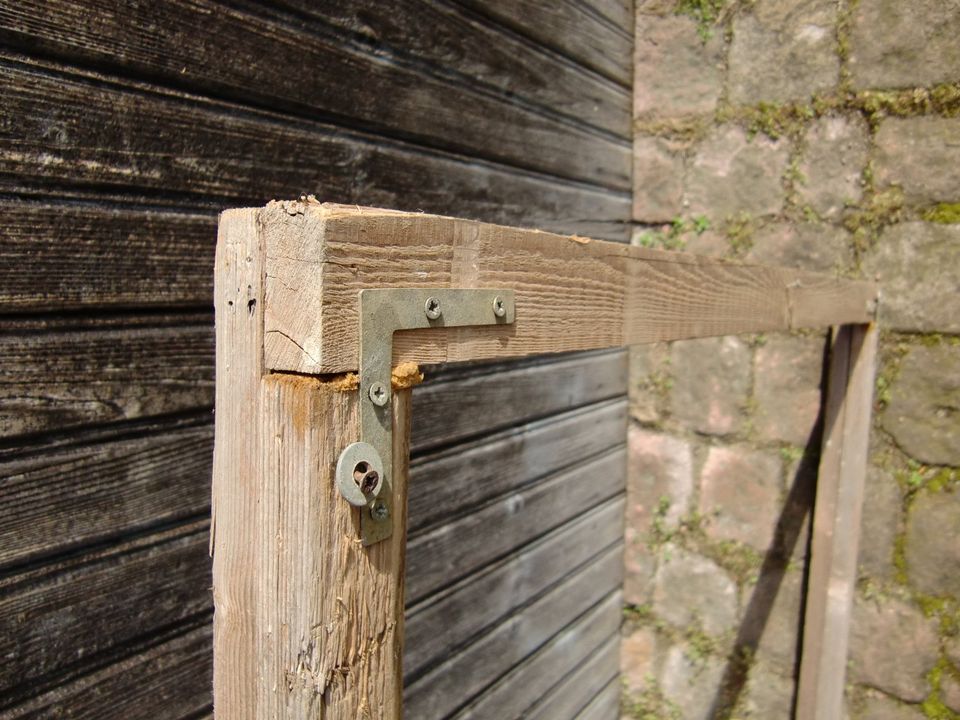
(365,478)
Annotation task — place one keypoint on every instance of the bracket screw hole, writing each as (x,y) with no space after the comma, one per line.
(432,308)
(498,307)
(379,512)
(378,394)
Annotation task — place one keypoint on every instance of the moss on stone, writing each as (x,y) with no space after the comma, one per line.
(933,707)
(739,230)
(878,210)
(900,558)
(683,129)
(706,13)
(741,561)
(944,609)
(940,100)
(640,615)
(699,645)
(943,213)
(649,704)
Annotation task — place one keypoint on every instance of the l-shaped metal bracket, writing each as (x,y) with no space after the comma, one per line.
(364,468)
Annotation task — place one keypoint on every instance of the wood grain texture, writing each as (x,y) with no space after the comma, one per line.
(836,522)
(572,28)
(58,256)
(443,555)
(574,692)
(84,601)
(530,683)
(58,380)
(462,46)
(102,133)
(509,460)
(464,675)
(278,438)
(605,704)
(571,293)
(340,604)
(451,618)
(62,496)
(356,86)
(448,409)
(238,302)
(169,680)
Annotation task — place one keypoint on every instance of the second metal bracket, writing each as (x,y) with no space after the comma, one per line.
(364,472)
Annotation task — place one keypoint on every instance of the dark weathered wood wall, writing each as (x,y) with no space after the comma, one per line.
(124,129)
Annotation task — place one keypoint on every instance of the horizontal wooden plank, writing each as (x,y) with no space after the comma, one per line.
(605,704)
(528,685)
(575,691)
(453,482)
(312,70)
(158,469)
(475,52)
(58,256)
(64,496)
(168,681)
(93,128)
(571,28)
(480,400)
(571,293)
(54,617)
(451,618)
(55,380)
(443,555)
(618,12)
(459,680)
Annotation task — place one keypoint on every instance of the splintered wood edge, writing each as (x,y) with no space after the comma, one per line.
(572,293)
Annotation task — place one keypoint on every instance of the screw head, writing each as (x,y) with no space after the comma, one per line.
(366,478)
(379,395)
(498,307)
(379,511)
(432,308)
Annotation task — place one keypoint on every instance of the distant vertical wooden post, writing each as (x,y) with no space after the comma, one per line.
(309,622)
(836,522)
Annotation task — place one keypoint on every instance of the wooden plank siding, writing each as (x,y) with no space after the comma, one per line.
(126,129)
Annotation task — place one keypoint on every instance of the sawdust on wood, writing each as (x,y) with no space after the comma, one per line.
(406,375)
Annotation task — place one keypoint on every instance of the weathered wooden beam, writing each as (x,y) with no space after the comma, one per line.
(329,610)
(309,621)
(572,293)
(836,522)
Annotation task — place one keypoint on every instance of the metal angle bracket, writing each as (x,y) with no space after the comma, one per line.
(364,469)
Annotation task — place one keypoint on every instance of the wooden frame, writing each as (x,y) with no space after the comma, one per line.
(308,622)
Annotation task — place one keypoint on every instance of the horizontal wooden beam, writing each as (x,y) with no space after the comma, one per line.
(572,293)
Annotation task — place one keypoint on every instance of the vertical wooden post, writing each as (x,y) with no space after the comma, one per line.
(308,622)
(329,610)
(836,522)
(238,299)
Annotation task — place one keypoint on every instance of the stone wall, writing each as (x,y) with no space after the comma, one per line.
(822,134)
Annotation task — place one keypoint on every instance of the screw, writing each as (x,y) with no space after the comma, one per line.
(378,394)
(432,308)
(379,512)
(498,309)
(365,478)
